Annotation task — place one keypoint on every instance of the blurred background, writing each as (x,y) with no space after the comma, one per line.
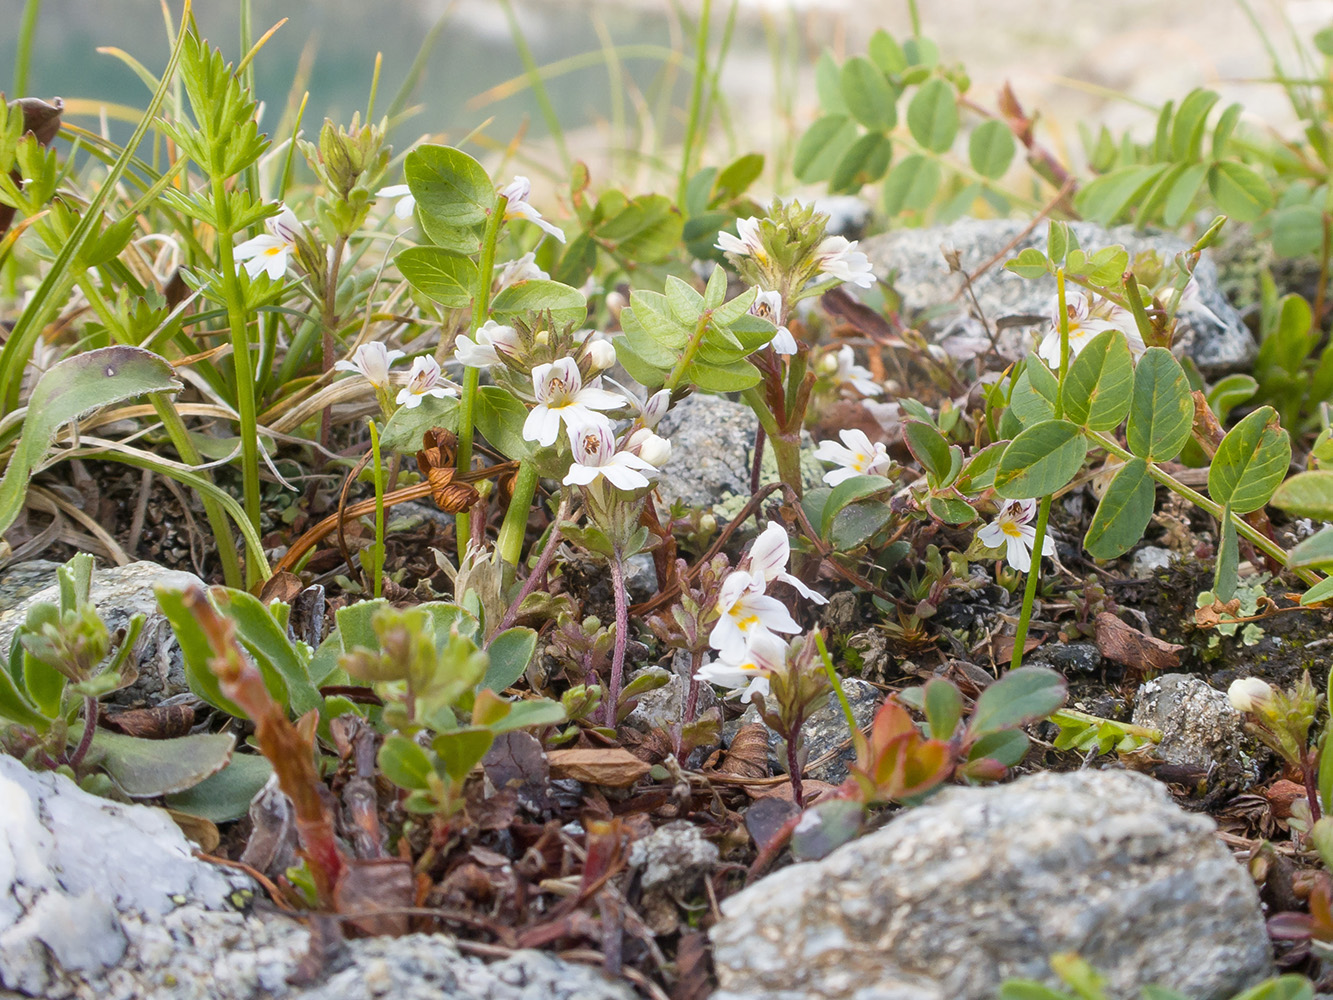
(617,72)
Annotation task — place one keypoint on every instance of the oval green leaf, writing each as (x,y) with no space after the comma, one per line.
(911,185)
(450,187)
(1307,494)
(1250,462)
(1161,410)
(446,277)
(1043,458)
(1100,382)
(932,116)
(822,147)
(1239,192)
(991,149)
(867,94)
(566,305)
(1123,514)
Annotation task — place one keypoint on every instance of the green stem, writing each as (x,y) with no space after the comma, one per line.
(377,585)
(1030,589)
(836,681)
(23,57)
(696,101)
(481,304)
(691,349)
(515,526)
(243,374)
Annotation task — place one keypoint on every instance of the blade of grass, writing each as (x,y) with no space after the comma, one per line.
(538,84)
(23,56)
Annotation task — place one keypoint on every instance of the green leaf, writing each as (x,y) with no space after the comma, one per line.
(1029,989)
(943,707)
(737,176)
(951,509)
(1161,411)
(1289,987)
(1043,458)
(451,188)
(65,392)
(911,185)
(1106,198)
(1018,698)
(867,94)
(500,418)
(225,796)
(991,149)
(1184,190)
(864,163)
(1187,130)
(932,115)
(848,492)
(1321,591)
(195,652)
(1239,192)
(566,305)
(530,714)
(1030,263)
(147,768)
(446,277)
(405,763)
(1226,124)
(1124,512)
(1100,382)
(1034,394)
(462,749)
(929,447)
(735,377)
(828,84)
(834,823)
(823,147)
(1229,392)
(1227,572)
(886,53)
(1307,494)
(1250,462)
(511,651)
(1298,230)
(979,472)
(406,427)
(1317,550)
(268,646)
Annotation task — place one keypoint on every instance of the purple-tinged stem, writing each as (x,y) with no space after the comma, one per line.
(622,640)
(90,712)
(539,571)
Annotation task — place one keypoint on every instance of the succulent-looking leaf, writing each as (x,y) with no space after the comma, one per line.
(148,768)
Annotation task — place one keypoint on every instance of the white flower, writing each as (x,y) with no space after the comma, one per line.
(655,408)
(371,361)
(654,450)
(561,395)
(601,353)
(491,341)
(518,271)
(748,244)
(841,259)
(1246,693)
(750,668)
(270,253)
(1084,325)
(768,560)
(848,372)
(595,456)
(858,458)
(746,612)
(517,207)
(406,202)
(768,305)
(424,380)
(1012,530)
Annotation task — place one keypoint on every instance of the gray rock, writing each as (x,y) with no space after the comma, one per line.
(983,884)
(675,855)
(101,901)
(912,261)
(824,732)
(1151,560)
(661,708)
(1200,729)
(1069,657)
(119,593)
(640,577)
(847,214)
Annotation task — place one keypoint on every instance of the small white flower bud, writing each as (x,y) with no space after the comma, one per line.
(655,409)
(614,303)
(1247,693)
(602,354)
(655,450)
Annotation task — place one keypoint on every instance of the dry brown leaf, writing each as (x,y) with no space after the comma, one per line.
(747,757)
(376,890)
(1217,613)
(1281,794)
(613,766)
(1124,644)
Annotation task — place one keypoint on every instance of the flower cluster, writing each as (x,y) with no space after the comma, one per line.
(750,650)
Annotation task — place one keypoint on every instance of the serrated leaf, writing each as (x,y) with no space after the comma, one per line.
(1100,382)
(1124,512)
(1250,462)
(1043,458)
(1161,410)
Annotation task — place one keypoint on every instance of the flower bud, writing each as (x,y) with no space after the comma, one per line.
(601,354)
(615,302)
(1248,693)
(655,409)
(655,450)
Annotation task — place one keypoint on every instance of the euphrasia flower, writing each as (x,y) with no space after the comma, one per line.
(561,395)
(746,611)
(768,305)
(491,340)
(856,456)
(596,457)
(601,353)
(1085,323)
(768,560)
(425,379)
(747,244)
(406,201)
(515,272)
(750,669)
(270,253)
(371,361)
(840,259)
(1012,530)
(1247,693)
(654,450)
(848,372)
(517,207)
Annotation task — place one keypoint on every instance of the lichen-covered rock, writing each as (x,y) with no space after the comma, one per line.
(980,885)
(119,593)
(911,260)
(1200,728)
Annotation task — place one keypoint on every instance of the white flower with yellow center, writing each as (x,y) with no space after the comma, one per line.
(1085,323)
(750,669)
(747,243)
(746,611)
(517,207)
(561,396)
(595,457)
(839,258)
(484,348)
(270,253)
(1012,531)
(848,372)
(768,560)
(425,379)
(856,456)
(371,361)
